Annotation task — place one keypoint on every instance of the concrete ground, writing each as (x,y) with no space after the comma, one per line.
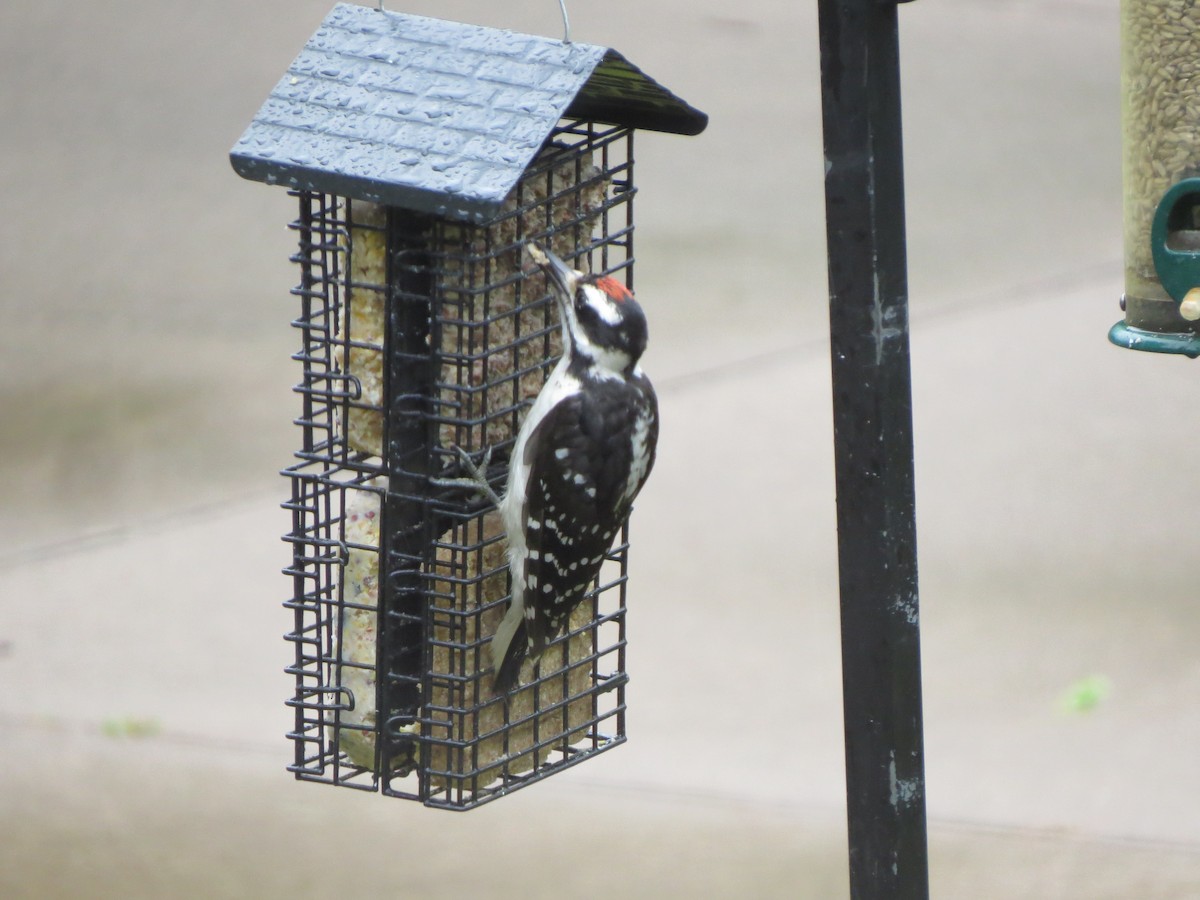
(145,394)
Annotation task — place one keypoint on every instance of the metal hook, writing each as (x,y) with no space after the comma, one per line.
(562,4)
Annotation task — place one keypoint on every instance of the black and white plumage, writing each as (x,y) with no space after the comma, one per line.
(581,455)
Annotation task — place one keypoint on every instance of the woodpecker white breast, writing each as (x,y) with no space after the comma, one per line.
(581,456)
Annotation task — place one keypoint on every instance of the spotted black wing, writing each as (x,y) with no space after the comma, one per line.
(581,457)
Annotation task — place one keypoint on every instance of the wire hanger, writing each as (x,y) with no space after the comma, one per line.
(562,4)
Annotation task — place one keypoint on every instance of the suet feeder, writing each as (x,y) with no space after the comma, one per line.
(424,155)
(1161,125)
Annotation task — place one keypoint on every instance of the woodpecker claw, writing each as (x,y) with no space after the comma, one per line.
(477,480)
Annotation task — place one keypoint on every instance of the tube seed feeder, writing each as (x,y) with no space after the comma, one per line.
(424,155)
(1161,135)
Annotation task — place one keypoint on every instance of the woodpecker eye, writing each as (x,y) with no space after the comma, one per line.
(585,311)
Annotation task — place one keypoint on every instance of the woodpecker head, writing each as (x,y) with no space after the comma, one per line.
(605,325)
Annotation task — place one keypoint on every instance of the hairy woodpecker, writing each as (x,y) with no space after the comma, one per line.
(581,455)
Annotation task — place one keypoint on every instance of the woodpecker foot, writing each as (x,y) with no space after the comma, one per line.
(476,481)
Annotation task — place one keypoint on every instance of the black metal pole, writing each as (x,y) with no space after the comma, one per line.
(872,407)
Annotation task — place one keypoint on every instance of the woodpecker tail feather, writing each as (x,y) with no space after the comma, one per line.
(509,658)
(518,638)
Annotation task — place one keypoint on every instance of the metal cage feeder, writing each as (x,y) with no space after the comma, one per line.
(424,155)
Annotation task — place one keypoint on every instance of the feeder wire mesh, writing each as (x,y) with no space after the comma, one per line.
(419,334)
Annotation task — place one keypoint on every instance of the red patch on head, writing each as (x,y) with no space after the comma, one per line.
(617,291)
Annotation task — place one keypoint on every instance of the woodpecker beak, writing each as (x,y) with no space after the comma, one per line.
(566,278)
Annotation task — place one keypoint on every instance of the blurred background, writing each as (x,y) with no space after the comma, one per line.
(145,396)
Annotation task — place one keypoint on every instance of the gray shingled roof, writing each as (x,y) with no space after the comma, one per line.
(437,116)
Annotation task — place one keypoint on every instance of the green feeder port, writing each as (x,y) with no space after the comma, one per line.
(1161,133)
